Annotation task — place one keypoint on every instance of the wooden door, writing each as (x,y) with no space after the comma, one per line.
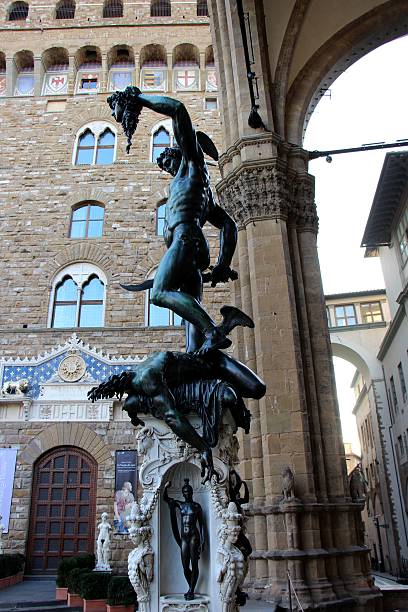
(62,518)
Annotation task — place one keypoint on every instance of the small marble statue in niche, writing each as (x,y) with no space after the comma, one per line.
(191,538)
(103,544)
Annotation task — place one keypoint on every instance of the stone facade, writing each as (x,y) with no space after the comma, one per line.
(41,185)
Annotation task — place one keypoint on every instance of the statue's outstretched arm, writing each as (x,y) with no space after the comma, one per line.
(183,128)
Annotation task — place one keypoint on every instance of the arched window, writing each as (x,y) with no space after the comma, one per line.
(113,8)
(65,9)
(186,67)
(65,304)
(56,66)
(160,8)
(24,80)
(91,303)
(87,221)
(160,317)
(89,64)
(202,8)
(153,73)
(160,218)
(85,149)
(105,148)
(161,140)
(78,297)
(95,144)
(121,61)
(18,11)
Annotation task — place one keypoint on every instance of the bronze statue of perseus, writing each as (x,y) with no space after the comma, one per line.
(178,282)
(190,536)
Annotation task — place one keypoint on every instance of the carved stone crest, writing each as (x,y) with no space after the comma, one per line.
(72,368)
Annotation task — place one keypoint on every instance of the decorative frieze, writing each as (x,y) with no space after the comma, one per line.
(68,411)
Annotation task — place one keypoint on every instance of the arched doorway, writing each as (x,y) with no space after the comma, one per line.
(62,517)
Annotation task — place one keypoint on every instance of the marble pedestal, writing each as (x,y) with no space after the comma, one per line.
(155,567)
(177,603)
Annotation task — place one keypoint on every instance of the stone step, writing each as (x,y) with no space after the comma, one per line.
(37,605)
(41,607)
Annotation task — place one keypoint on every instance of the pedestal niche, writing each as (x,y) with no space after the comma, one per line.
(155,565)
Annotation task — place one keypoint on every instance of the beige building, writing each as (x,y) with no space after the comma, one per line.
(386,236)
(80,216)
(295,50)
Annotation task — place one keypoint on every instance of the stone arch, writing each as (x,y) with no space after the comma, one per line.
(99,114)
(67,434)
(369,31)
(88,54)
(186,53)
(361,358)
(24,59)
(153,53)
(55,55)
(81,252)
(119,53)
(88,194)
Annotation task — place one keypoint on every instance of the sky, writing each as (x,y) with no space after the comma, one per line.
(367,103)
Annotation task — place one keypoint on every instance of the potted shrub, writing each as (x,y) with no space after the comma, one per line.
(86,562)
(121,595)
(93,589)
(11,569)
(73,583)
(64,567)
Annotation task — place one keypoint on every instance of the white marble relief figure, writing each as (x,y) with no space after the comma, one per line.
(103,544)
(230,558)
(141,558)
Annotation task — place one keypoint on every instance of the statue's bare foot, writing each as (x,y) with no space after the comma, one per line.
(208,472)
(189,595)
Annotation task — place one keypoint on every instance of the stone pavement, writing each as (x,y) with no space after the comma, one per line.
(29,591)
(44,590)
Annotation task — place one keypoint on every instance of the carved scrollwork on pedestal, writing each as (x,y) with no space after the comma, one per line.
(141,558)
(159,449)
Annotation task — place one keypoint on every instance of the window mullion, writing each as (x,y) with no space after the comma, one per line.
(78,310)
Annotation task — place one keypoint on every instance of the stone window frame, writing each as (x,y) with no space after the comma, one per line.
(18,4)
(167,124)
(171,314)
(373,309)
(160,206)
(160,8)
(211,99)
(97,128)
(86,204)
(346,317)
(90,72)
(69,6)
(81,273)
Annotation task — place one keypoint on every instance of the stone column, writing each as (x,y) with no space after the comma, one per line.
(38,75)
(297,423)
(104,74)
(203,76)
(137,70)
(72,72)
(170,86)
(11,73)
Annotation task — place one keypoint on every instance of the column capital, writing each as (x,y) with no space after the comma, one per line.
(256,191)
